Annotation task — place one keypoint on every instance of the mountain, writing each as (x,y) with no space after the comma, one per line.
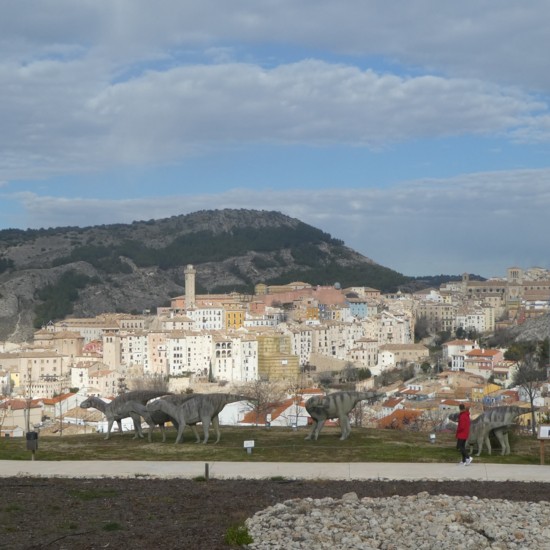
(47,274)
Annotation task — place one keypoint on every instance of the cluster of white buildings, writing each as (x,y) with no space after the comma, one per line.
(279,333)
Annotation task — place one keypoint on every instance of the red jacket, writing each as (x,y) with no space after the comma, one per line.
(463,428)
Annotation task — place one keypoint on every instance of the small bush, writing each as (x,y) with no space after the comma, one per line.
(238,535)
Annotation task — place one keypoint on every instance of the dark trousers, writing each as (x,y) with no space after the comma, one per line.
(461,446)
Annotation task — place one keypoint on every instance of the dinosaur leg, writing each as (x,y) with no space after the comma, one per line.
(310,435)
(162,431)
(488,443)
(206,426)
(345,427)
(216,426)
(109,427)
(181,427)
(196,432)
(502,436)
(506,443)
(138,433)
(177,426)
(152,429)
(318,428)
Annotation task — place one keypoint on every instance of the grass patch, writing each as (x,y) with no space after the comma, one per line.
(237,535)
(273,445)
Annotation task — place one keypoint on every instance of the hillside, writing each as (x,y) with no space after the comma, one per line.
(47,274)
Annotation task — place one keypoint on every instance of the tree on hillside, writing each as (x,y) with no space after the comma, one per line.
(349,373)
(264,396)
(421,329)
(530,372)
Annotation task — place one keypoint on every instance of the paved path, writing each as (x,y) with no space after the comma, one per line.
(261,470)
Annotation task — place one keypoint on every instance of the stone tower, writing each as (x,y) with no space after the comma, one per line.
(190,273)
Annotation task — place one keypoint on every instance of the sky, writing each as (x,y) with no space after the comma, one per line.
(418,132)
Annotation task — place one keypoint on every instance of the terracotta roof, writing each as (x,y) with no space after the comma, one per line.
(483,353)
(20,404)
(400,418)
(57,399)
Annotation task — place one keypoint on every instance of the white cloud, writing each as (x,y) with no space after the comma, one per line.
(505,40)
(80,122)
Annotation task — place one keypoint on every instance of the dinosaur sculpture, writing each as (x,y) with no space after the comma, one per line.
(334,405)
(156,417)
(497,421)
(121,407)
(203,408)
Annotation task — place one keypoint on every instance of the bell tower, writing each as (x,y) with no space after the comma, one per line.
(190,273)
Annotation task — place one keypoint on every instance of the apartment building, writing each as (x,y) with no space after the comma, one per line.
(235,359)
(454,351)
(104,383)
(189,352)
(65,342)
(156,363)
(207,317)
(89,328)
(394,328)
(439,316)
(482,361)
(365,354)
(301,342)
(81,371)
(392,355)
(275,358)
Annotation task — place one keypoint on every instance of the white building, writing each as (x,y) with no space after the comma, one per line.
(207,317)
(188,352)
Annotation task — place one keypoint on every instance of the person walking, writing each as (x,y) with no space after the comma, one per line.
(462,434)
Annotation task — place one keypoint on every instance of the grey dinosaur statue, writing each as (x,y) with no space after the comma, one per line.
(335,405)
(497,421)
(203,408)
(156,417)
(122,406)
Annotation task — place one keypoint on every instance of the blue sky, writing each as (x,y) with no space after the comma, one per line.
(417,132)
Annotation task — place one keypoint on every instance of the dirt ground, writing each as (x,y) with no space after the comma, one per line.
(80,514)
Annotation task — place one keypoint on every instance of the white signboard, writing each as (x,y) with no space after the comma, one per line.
(544,432)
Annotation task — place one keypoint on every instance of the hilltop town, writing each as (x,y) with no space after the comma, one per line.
(424,351)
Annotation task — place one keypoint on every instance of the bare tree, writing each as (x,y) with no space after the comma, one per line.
(265,396)
(529,375)
(3,414)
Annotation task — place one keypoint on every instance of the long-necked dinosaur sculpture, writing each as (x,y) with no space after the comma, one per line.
(156,417)
(122,406)
(496,420)
(203,407)
(334,405)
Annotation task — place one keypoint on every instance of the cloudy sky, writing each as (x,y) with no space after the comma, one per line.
(417,132)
